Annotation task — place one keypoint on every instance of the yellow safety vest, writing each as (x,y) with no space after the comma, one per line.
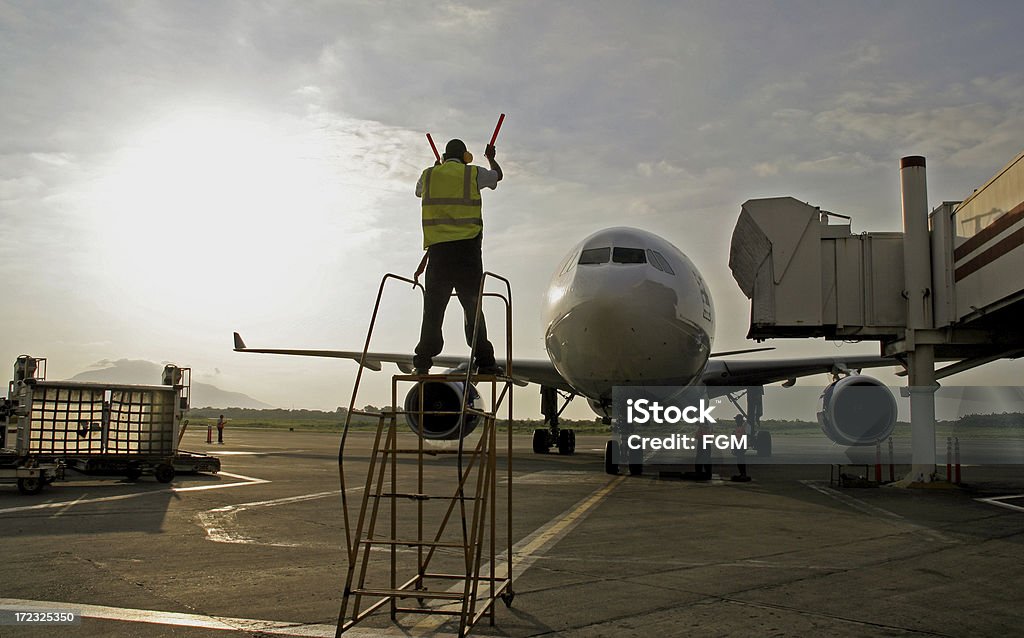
(451,203)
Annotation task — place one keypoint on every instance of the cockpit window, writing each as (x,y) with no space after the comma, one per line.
(659,262)
(569,263)
(629,256)
(595,256)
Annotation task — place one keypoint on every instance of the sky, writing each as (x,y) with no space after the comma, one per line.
(171,172)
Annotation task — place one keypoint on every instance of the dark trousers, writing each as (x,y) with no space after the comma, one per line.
(220,435)
(702,467)
(741,462)
(457,266)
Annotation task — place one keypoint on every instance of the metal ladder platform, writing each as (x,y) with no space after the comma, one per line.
(437,517)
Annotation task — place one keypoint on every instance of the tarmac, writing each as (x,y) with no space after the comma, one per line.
(259,550)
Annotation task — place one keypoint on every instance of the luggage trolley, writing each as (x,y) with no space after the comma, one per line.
(106,428)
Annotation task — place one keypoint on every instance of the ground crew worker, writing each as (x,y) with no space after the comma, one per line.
(452,234)
(702,466)
(220,430)
(741,453)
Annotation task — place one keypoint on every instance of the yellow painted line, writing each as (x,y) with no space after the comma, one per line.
(526,552)
(554,533)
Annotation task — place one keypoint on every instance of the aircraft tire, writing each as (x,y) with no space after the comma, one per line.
(540,441)
(763,443)
(566,442)
(636,462)
(610,452)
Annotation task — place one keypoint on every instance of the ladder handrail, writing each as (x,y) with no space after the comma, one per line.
(485,481)
(355,391)
(469,372)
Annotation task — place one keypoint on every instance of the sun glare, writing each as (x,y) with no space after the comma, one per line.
(215,199)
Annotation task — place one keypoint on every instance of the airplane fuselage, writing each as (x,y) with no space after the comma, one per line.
(626,307)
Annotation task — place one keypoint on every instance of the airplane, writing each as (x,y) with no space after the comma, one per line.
(625,307)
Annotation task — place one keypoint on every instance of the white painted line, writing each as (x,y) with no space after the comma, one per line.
(877,512)
(998,502)
(246,480)
(68,506)
(221,527)
(242,482)
(238,453)
(224,623)
(552,477)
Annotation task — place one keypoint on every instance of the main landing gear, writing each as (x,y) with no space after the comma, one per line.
(553,436)
(617,451)
(613,453)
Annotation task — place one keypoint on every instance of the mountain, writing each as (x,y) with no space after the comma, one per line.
(204,395)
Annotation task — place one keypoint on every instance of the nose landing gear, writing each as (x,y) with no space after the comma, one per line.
(554,436)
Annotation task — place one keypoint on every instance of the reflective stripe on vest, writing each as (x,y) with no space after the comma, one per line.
(451,203)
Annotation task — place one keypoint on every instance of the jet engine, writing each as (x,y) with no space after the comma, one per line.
(443,397)
(857,410)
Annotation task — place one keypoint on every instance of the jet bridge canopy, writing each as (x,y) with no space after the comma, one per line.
(807,277)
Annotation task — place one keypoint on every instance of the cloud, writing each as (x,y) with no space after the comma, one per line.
(659,168)
(865,55)
(839,164)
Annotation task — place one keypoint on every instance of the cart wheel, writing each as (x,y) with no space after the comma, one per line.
(31,485)
(164,472)
(133,472)
(507,598)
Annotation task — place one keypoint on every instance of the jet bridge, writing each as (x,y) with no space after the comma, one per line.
(947,288)
(807,277)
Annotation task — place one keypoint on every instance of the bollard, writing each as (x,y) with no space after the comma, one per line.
(209,434)
(892,465)
(956,454)
(878,462)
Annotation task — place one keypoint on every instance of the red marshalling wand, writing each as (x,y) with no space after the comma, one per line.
(437,155)
(497,128)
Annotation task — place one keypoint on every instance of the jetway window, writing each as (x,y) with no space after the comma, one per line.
(659,262)
(629,256)
(595,256)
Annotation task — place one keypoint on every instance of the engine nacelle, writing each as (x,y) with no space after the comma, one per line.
(857,410)
(441,396)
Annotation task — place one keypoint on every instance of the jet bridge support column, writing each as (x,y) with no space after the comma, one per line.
(917,291)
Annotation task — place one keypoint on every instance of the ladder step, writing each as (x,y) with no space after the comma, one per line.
(419,497)
(410,543)
(426,452)
(409,593)
(435,612)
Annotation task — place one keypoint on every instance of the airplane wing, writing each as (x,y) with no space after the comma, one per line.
(524,371)
(765,371)
(717,373)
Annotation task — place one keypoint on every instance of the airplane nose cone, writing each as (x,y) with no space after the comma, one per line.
(601,343)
